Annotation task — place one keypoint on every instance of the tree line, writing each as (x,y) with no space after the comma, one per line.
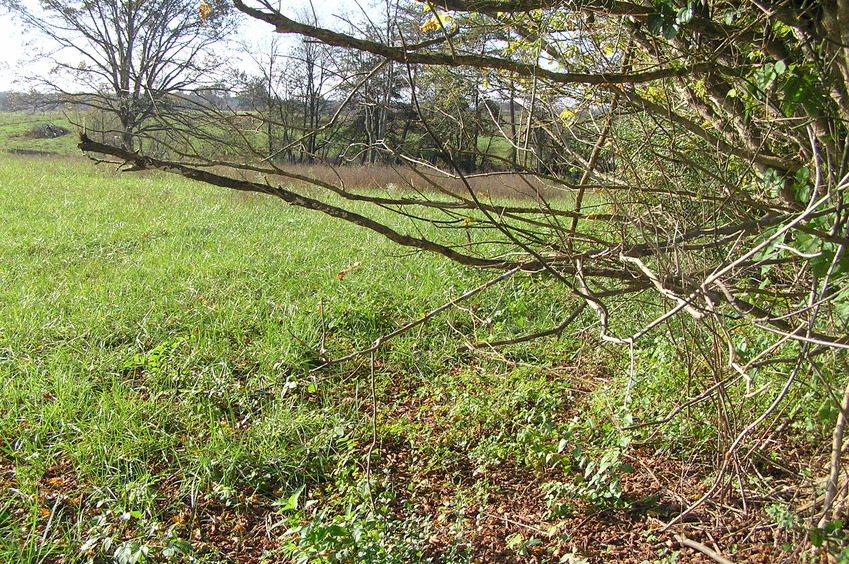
(142,64)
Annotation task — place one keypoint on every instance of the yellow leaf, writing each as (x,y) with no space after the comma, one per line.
(436,21)
(204,10)
(432,24)
(567,114)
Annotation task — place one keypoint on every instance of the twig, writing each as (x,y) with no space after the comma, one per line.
(736,444)
(689,403)
(533,336)
(373,433)
(596,305)
(518,524)
(707,551)
(663,290)
(836,452)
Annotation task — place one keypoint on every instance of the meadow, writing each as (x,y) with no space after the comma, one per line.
(157,341)
(165,395)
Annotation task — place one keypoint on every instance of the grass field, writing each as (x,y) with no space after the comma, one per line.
(22,132)
(157,340)
(163,398)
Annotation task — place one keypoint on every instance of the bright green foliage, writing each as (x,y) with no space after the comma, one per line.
(156,346)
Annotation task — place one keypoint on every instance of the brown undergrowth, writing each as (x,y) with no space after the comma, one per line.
(378,177)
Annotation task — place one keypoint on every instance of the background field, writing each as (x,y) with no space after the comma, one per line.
(158,350)
(156,343)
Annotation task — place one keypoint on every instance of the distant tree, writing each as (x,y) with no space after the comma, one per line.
(286,86)
(310,81)
(126,57)
(375,85)
(266,86)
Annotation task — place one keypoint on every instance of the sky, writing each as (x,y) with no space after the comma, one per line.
(11,50)
(13,38)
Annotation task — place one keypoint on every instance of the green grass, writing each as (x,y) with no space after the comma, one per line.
(156,341)
(158,347)
(16,130)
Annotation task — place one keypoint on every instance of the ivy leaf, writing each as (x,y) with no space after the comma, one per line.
(655,23)
(817,537)
(841,305)
(800,87)
(685,15)
(833,526)
(802,186)
(670,30)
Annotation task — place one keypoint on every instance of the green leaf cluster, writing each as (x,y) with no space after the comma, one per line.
(668,20)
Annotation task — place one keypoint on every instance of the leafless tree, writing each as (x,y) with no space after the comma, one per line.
(126,57)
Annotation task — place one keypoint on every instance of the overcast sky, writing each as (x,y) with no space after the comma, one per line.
(13,39)
(11,51)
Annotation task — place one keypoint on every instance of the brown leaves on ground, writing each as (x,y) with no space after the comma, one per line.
(505,519)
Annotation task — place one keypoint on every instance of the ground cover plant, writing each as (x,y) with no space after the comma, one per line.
(96,320)
(165,398)
(154,358)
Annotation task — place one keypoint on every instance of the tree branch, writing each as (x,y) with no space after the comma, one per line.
(405,55)
(140,162)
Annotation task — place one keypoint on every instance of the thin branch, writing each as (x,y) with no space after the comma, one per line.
(283,24)
(533,336)
(707,551)
(140,162)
